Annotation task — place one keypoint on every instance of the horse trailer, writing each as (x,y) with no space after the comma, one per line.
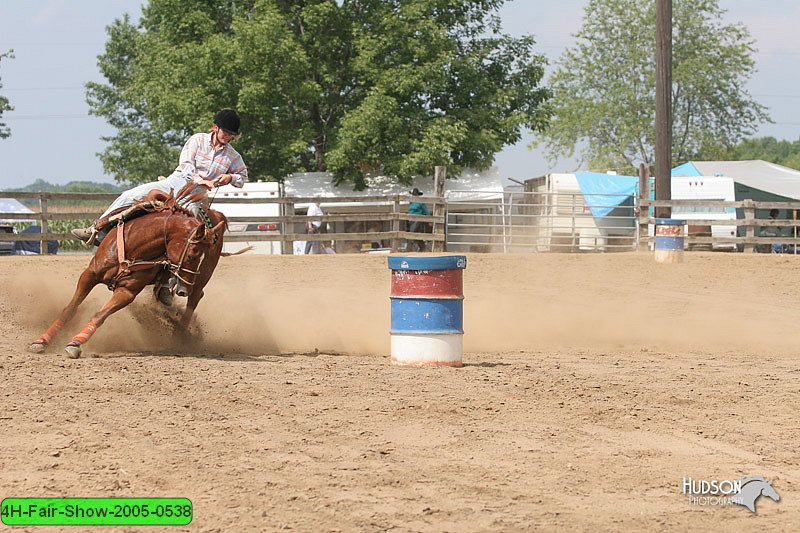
(570,219)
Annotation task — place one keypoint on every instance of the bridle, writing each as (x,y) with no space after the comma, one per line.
(176,268)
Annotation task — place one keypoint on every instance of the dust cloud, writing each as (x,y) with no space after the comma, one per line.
(262,305)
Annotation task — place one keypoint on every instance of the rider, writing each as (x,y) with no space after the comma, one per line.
(207,160)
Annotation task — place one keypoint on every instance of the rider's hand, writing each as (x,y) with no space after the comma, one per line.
(223,179)
(208,184)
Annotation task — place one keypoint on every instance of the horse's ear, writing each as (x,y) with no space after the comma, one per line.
(219,226)
(213,231)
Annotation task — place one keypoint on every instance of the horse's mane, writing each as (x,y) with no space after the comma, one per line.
(171,201)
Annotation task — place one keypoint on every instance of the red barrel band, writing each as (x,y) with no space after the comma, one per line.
(428,283)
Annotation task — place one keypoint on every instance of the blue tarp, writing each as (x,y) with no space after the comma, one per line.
(603,192)
(34,247)
(686,169)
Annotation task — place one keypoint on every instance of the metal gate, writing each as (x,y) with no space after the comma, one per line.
(524,222)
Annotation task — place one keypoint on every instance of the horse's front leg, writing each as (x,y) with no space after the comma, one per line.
(123,295)
(87,281)
(191,305)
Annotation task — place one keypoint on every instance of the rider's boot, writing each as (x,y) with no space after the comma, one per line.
(87,235)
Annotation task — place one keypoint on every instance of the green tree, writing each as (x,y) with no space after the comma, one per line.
(353,87)
(4,103)
(786,153)
(604,87)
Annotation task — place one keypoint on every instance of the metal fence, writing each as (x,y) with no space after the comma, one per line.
(524,222)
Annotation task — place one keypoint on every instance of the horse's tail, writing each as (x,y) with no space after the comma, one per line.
(243,250)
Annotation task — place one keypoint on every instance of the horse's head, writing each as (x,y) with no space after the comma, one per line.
(769,491)
(187,244)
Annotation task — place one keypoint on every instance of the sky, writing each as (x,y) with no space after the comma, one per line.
(56,44)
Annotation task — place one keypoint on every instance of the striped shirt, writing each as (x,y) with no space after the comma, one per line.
(200,161)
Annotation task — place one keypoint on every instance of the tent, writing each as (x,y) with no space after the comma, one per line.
(10,205)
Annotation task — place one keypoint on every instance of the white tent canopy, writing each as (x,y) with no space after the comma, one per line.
(10,205)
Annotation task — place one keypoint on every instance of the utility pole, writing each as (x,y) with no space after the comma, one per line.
(663,105)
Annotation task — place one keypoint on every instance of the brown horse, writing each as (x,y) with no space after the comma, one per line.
(134,255)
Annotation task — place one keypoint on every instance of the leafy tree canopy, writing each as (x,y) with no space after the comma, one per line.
(354,87)
(786,153)
(604,87)
(4,103)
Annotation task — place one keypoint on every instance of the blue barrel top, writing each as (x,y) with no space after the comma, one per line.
(669,222)
(440,262)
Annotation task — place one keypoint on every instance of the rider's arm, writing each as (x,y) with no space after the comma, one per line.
(186,163)
(238,171)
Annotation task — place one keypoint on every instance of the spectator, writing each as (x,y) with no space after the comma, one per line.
(313,227)
(771,231)
(418,208)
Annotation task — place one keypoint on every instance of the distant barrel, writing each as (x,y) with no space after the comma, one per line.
(427,296)
(669,240)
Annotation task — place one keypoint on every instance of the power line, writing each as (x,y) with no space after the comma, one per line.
(44,117)
(3,45)
(65,87)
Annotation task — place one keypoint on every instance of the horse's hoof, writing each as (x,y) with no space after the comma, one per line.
(164,296)
(73,352)
(37,347)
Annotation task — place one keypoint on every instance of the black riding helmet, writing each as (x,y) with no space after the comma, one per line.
(228,120)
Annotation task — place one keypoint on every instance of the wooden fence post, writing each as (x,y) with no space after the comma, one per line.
(45,224)
(644,209)
(287,247)
(750,216)
(440,175)
(395,244)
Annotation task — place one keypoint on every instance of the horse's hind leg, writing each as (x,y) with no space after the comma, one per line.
(86,283)
(122,297)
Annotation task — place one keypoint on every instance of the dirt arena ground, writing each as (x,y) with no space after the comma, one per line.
(592,385)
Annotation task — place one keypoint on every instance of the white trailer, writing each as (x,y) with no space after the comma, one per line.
(259,189)
(565,220)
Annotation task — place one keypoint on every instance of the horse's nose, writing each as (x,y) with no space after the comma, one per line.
(181,290)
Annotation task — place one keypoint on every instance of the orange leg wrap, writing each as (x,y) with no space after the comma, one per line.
(48,335)
(84,335)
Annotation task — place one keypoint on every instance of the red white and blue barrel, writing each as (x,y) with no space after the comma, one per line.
(669,240)
(427,325)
